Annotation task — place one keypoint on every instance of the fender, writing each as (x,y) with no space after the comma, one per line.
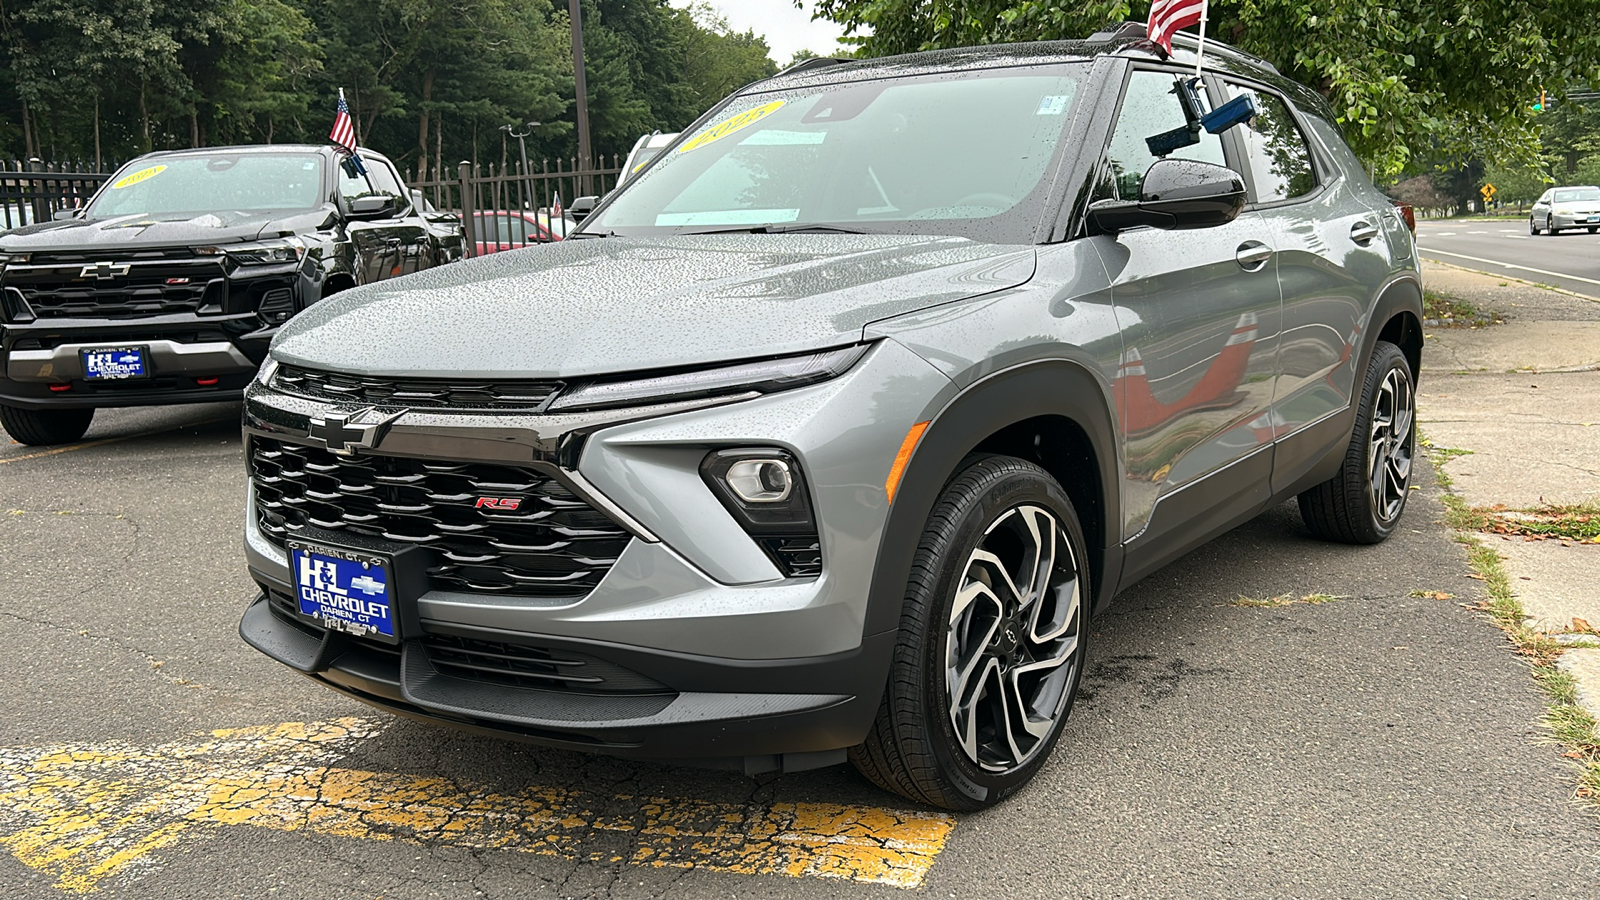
(1044,388)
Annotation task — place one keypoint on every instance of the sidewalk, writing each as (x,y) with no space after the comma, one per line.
(1523,400)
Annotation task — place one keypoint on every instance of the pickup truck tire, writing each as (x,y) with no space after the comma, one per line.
(1362,504)
(45,426)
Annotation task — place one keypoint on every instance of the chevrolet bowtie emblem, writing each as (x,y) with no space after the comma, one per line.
(346,432)
(105,270)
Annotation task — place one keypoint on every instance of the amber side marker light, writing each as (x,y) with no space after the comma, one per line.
(903,457)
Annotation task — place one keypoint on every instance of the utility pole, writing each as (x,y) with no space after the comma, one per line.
(575,13)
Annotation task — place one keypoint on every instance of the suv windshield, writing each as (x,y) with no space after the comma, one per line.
(964,154)
(1576,195)
(196,183)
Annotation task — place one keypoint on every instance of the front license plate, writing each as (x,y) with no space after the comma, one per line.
(345,590)
(117,363)
(1594,218)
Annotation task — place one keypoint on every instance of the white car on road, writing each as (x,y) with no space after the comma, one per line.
(1566,207)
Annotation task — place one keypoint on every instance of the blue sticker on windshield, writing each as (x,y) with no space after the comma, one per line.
(1052,106)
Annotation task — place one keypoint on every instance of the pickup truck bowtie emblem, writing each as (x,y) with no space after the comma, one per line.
(104,270)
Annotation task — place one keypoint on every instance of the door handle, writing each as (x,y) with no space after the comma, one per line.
(1253,256)
(1363,232)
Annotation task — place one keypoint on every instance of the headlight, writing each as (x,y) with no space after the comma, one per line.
(269,368)
(8,258)
(764,376)
(260,253)
(1563,211)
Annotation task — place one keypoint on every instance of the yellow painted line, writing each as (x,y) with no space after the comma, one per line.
(111,440)
(82,814)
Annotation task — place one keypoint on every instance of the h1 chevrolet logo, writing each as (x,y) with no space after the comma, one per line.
(346,432)
(104,270)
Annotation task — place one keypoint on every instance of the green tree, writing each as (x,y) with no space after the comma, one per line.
(1401,75)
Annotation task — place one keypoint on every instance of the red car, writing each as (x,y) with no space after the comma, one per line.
(500,229)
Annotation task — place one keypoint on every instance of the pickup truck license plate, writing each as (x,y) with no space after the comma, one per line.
(118,363)
(345,590)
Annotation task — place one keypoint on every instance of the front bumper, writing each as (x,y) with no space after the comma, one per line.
(751,666)
(1576,220)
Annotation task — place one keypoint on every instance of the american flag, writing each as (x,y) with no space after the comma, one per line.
(1167,16)
(344,133)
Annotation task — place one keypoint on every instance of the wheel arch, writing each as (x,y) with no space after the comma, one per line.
(1054,413)
(1398,315)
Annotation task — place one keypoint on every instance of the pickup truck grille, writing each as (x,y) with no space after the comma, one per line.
(465,396)
(552,544)
(61,290)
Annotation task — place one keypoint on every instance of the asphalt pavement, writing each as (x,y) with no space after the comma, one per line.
(1569,260)
(1384,743)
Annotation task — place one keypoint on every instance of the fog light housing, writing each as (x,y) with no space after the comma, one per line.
(760,480)
(765,491)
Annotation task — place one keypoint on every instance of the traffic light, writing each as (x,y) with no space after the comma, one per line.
(1538,105)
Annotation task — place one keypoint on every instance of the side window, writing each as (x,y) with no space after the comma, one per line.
(1280,159)
(1149,107)
(380,179)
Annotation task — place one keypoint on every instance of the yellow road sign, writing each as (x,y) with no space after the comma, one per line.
(1487,191)
(83,814)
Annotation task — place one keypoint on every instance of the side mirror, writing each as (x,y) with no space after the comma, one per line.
(581,208)
(375,206)
(1177,193)
(61,215)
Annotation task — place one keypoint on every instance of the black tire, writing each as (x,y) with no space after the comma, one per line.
(1007,651)
(1593,229)
(45,426)
(1349,507)
(1550,226)
(1533,226)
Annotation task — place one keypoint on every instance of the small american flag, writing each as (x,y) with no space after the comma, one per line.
(344,133)
(555,207)
(1167,16)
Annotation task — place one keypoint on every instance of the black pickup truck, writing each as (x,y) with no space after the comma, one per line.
(169,284)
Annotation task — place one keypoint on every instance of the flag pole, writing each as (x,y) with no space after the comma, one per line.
(1200,50)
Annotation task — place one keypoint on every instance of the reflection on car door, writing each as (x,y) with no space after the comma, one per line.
(391,246)
(1199,312)
(1331,252)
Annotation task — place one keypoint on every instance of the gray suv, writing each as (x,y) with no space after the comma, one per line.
(829,434)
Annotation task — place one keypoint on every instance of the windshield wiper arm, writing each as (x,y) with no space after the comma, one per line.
(782,228)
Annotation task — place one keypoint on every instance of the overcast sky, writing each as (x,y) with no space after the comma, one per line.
(786,28)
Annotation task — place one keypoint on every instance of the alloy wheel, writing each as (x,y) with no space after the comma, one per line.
(1012,647)
(1390,448)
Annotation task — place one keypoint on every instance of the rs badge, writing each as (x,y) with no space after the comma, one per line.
(499,504)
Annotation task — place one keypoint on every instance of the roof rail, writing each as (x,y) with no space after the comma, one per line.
(815,62)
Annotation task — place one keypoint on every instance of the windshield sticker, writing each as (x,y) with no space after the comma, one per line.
(136,177)
(1052,106)
(775,138)
(728,126)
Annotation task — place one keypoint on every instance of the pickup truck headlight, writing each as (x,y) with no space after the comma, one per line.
(269,368)
(260,253)
(762,376)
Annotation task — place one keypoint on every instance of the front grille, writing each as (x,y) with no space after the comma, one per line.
(420,393)
(552,545)
(798,557)
(152,288)
(533,667)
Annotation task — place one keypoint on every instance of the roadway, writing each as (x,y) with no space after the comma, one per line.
(1569,260)
(1382,744)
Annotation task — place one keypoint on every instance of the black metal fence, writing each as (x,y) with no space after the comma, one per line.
(33,191)
(482,195)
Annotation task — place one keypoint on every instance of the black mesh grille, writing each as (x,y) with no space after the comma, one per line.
(500,396)
(798,557)
(146,289)
(533,667)
(552,544)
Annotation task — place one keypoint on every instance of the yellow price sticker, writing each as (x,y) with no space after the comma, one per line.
(728,126)
(136,177)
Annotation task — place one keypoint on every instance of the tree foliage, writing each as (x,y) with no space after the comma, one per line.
(426,79)
(1451,79)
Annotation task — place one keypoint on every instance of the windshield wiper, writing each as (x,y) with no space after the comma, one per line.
(781,228)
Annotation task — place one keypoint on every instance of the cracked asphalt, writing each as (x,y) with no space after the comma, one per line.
(1382,744)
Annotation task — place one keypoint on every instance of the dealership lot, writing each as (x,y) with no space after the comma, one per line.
(1377,743)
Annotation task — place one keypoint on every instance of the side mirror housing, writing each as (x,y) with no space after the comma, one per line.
(61,215)
(581,207)
(375,206)
(1177,194)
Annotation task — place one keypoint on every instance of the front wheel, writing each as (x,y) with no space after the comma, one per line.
(991,643)
(1550,225)
(1533,225)
(1362,504)
(45,426)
